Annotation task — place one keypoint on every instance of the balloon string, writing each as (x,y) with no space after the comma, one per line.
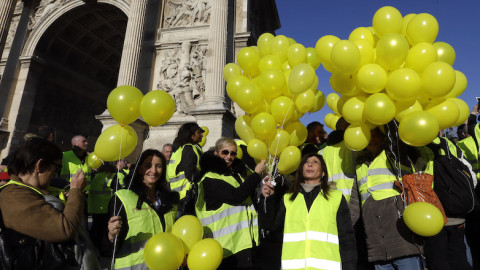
(121,206)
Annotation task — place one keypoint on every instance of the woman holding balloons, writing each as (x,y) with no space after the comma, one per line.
(139,213)
(315,219)
(390,243)
(225,204)
(184,162)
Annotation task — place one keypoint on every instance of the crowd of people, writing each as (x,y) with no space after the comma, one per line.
(341,209)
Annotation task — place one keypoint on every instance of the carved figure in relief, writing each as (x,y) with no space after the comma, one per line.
(187,12)
(44,8)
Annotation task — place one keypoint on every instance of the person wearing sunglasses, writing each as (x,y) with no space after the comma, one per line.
(225,203)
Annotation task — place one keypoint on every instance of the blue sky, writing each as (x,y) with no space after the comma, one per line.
(459,25)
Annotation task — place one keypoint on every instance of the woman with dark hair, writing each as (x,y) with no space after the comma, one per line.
(32,223)
(225,204)
(315,219)
(184,162)
(140,212)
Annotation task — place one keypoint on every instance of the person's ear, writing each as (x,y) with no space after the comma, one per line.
(40,165)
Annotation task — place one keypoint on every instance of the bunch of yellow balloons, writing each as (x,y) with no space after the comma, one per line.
(393,69)
(275,84)
(126,104)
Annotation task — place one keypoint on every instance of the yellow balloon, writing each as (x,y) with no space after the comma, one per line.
(422,27)
(438,79)
(418,128)
(207,254)
(203,141)
(459,86)
(403,84)
(164,251)
(367,53)
(362,33)
(379,109)
(249,97)
(405,21)
(319,101)
(269,62)
(445,51)
(264,126)
(423,218)
(289,160)
(403,108)
(296,54)
(312,57)
(324,48)
(333,121)
(279,142)
(280,45)
(341,102)
(271,82)
(264,43)
(93,161)
(189,229)
(387,20)
(345,56)
(344,83)
(234,84)
(282,109)
(291,41)
(463,111)
(304,102)
(391,51)
(231,70)
(371,78)
(328,117)
(243,128)
(248,59)
(353,109)
(357,136)
(116,142)
(297,133)
(157,107)
(239,149)
(257,149)
(446,112)
(205,130)
(332,100)
(301,78)
(420,56)
(123,103)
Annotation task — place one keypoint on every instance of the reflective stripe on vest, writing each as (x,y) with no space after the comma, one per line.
(13,182)
(310,238)
(142,225)
(70,165)
(234,227)
(471,153)
(178,181)
(339,161)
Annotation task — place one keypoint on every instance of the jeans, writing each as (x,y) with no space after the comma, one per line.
(406,263)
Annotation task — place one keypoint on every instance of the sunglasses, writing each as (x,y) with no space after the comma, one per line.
(226,152)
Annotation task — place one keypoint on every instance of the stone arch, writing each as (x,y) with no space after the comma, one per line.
(46,22)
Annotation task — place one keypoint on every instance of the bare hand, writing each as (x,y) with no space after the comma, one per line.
(260,167)
(475,110)
(78,180)
(268,188)
(114,226)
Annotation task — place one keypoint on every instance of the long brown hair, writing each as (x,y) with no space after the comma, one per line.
(299,178)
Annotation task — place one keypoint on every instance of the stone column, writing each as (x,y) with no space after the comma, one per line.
(217,50)
(133,43)
(6,11)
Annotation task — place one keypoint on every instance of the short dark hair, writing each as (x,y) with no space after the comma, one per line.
(185,133)
(26,156)
(314,124)
(299,178)
(137,185)
(45,131)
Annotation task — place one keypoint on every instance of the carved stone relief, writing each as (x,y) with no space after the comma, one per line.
(186,13)
(182,74)
(19,7)
(43,9)
(11,31)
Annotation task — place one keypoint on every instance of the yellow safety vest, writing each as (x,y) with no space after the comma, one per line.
(234,227)
(310,239)
(178,182)
(101,193)
(377,179)
(142,225)
(13,182)
(339,161)
(451,146)
(70,165)
(469,149)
